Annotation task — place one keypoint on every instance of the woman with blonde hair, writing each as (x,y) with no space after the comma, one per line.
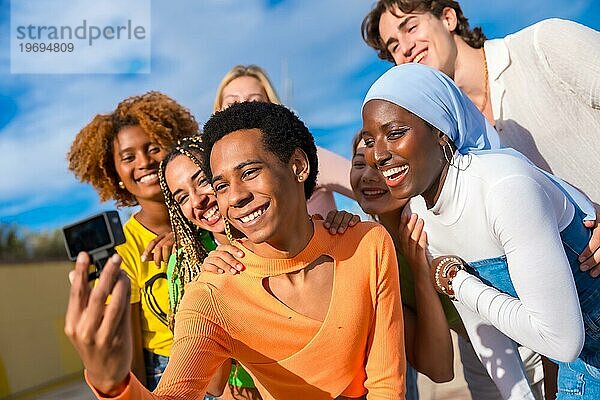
(251,83)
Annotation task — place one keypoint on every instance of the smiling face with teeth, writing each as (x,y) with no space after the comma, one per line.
(421,37)
(260,195)
(136,160)
(368,184)
(406,150)
(193,193)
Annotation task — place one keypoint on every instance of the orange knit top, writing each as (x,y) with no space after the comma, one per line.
(357,349)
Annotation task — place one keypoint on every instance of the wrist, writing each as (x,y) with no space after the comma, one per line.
(107,388)
(445,271)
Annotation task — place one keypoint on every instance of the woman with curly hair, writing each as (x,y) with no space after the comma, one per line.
(119,155)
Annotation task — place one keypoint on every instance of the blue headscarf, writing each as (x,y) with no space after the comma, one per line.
(435,98)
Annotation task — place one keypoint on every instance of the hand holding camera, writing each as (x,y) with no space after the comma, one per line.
(97,236)
(101,332)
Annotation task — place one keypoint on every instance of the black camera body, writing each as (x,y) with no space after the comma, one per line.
(97,235)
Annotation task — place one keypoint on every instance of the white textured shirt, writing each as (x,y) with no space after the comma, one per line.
(545,97)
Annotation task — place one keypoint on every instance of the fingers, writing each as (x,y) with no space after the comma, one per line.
(410,225)
(231,249)
(423,240)
(86,308)
(150,248)
(590,256)
(78,295)
(417,231)
(333,221)
(595,270)
(163,252)
(222,259)
(404,217)
(339,221)
(159,249)
(114,321)
(95,309)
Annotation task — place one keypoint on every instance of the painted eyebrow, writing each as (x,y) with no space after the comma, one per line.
(237,168)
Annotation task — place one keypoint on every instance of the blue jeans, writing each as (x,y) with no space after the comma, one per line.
(155,365)
(579,379)
(412,391)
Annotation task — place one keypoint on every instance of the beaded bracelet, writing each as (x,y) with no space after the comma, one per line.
(448,267)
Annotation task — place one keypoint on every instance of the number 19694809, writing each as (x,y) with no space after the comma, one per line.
(34,47)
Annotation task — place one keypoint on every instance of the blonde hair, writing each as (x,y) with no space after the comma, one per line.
(246,70)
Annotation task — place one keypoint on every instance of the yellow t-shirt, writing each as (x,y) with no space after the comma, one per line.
(149,286)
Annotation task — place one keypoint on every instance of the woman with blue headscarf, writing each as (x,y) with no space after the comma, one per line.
(517,230)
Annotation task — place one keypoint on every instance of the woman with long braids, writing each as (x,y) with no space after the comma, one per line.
(198,228)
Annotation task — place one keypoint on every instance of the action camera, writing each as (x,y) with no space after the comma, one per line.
(97,235)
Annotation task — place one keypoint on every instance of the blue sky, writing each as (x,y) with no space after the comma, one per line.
(316,44)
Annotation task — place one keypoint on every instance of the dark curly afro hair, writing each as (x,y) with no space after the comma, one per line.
(282,133)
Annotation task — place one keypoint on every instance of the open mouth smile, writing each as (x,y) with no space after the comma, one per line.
(373,192)
(420,56)
(212,215)
(251,217)
(394,176)
(149,179)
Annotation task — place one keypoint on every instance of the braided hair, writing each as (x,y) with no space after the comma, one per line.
(191,253)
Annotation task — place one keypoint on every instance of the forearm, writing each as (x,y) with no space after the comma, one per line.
(386,361)
(131,389)
(554,328)
(433,354)
(543,311)
(138,365)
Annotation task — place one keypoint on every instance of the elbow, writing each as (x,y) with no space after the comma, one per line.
(439,373)
(441,376)
(569,352)
(215,393)
(569,348)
